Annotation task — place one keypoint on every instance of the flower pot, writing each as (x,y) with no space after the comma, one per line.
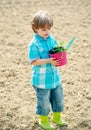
(61,56)
(60,52)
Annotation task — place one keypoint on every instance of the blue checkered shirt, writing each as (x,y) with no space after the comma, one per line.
(43,76)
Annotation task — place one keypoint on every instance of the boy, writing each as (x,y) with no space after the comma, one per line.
(46,79)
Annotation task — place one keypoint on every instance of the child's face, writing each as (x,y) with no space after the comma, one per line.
(43,32)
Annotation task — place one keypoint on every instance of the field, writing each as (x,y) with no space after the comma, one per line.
(72,18)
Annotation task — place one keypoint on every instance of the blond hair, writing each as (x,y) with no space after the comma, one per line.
(41,20)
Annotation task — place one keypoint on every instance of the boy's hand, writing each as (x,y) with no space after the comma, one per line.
(54,61)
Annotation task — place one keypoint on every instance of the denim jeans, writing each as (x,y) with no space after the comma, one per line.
(49,98)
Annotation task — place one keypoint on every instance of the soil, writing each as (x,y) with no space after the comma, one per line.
(17,97)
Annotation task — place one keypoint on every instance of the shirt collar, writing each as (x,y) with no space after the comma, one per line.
(40,38)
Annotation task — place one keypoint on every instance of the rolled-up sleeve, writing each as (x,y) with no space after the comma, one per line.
(33,53)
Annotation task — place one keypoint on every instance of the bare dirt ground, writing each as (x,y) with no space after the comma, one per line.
(72,18)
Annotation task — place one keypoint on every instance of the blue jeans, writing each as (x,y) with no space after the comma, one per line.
(49,98)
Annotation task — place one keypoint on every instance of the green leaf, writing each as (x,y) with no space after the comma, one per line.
(57,49)
(62,43)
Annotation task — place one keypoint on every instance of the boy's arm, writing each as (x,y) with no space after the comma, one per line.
(45,61)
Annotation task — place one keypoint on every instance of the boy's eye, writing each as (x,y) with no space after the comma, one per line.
(43,30)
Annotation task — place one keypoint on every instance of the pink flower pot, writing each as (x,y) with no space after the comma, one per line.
(61,56)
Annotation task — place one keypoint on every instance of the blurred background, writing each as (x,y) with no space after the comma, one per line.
(72,18)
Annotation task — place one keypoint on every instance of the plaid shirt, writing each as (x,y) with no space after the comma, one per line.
(43,76)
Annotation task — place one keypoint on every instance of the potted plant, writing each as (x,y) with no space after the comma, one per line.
(60,52)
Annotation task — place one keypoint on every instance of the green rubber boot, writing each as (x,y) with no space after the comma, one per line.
(44,123)
(57,118)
